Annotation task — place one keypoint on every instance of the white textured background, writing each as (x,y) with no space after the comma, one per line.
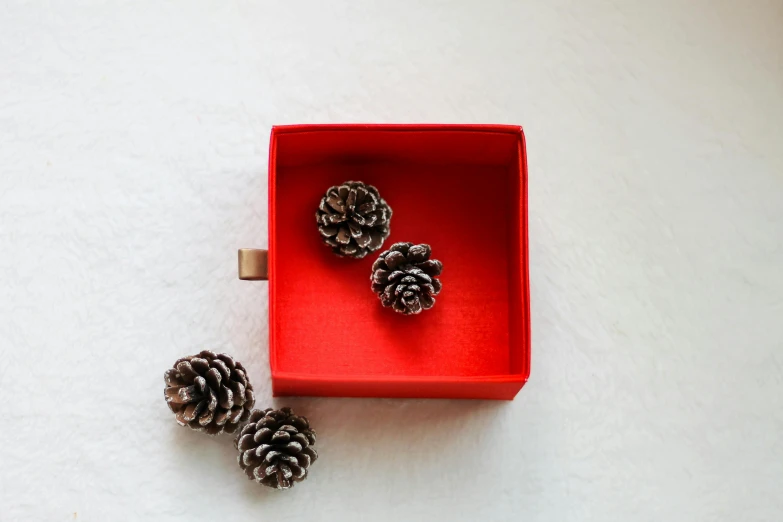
(133,149)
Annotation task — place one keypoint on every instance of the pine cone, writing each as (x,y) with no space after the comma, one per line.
(353,219)
(276,448)
(209,392)
(404,278)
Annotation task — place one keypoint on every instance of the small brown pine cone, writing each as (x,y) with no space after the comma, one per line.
(276,448)
(209,392)
(404,278)
(353,219)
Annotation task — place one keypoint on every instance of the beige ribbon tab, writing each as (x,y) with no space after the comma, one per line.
(253,264)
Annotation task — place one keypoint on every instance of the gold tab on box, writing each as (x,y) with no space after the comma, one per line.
(253,264)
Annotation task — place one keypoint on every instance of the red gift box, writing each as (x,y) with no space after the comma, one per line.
(460,188)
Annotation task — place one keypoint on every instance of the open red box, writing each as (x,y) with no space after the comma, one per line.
(460,188)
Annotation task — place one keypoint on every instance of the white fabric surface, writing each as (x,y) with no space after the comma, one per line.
(133,150)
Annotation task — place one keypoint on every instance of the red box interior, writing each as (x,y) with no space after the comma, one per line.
(462,189)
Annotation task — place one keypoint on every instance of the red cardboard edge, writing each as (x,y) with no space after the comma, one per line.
(483,387)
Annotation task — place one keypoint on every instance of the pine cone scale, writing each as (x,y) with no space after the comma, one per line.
(336,204)
(431,267)
(343,236)
(187,371)
(394,259)
(225,398)
(235,415)
(199,366)
(376,241)
(221,418)
(363,239)
(238,390)
(221,367)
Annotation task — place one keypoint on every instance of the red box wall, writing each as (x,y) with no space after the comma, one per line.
(460,188)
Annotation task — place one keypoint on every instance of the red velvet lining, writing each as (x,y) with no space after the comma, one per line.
(462,189)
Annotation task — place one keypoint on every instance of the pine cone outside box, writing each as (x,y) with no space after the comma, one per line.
(353,219)
(209,392)
(404,278)
(276,448)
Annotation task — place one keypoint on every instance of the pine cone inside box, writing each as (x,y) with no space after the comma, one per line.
(353,219)
(209,392)
(404,278)
(276,448)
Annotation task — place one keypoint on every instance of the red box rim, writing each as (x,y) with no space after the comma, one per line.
(521,377)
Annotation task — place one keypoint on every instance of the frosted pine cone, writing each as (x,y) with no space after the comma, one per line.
(209,392)
(276,448)
(353,219)
(404,278)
